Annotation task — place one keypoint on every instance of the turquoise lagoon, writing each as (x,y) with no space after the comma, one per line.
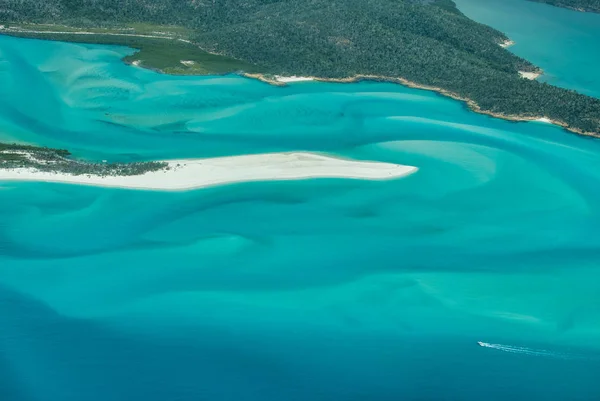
(300,290)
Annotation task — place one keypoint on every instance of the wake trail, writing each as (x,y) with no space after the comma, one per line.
(532,351)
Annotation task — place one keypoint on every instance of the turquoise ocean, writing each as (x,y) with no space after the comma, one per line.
(300,290)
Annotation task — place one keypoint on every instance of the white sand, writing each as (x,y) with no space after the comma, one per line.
(529,75)
(507,43)
(136,62)
(293,78)
(544,120)
(187,63)
(199,173)
(17,29)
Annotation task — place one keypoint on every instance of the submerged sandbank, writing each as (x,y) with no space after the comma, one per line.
(199,173)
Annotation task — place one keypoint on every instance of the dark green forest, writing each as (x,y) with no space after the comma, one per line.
(57,160)
(581,5)
(428,42)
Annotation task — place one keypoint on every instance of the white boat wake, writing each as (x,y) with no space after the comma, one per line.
(527,351)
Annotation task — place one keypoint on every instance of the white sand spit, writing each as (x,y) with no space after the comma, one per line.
(188,174)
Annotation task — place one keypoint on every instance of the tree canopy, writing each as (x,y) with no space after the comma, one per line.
(428,42)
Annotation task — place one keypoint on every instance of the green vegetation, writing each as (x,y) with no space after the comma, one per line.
(13,147)
(427,42)
(165,49)
(56,160)
(579,5)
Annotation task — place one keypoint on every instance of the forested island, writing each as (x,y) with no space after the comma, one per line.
(423,43)
(579,5)
(58,161)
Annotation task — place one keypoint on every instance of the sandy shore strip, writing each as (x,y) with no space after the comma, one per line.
(293,78)
(188,174)
(530,75)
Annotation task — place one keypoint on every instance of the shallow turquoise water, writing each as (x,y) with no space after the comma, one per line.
(305,290)
(563,42)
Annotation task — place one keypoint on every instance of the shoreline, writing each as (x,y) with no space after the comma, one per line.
(472,105)
(9,30)
(278,80)
(188,174)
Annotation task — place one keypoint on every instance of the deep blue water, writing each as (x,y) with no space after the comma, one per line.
(304,290)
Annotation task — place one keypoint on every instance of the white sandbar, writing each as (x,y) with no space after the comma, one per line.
(199,173)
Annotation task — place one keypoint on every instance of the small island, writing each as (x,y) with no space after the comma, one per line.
(24,163)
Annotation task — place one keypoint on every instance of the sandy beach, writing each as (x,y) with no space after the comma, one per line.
(293,78)
(188,174)
(530,75)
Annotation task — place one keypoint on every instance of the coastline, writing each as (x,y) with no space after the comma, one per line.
(188,174)
(279,80)
(472,105)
